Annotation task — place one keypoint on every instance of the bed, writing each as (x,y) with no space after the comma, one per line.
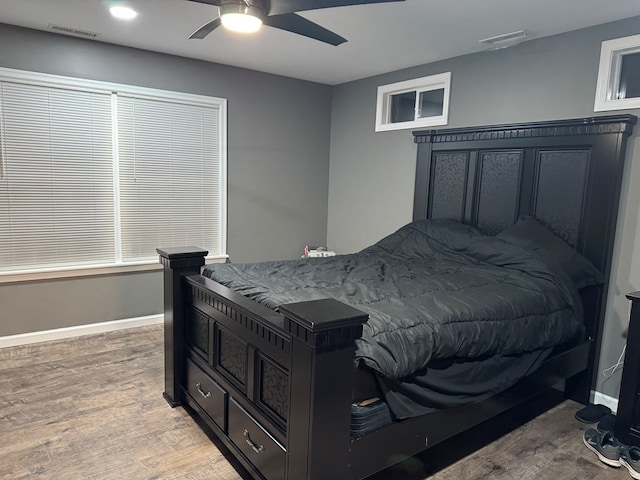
(270,370)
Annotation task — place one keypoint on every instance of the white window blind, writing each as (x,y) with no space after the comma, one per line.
(56,184)
(170,183)
(93,173)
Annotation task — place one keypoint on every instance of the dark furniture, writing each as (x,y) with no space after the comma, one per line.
(275,388)
(627,428)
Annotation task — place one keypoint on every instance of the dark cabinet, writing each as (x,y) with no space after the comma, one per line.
(628,416)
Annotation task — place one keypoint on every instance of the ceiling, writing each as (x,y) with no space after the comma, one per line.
(381,37)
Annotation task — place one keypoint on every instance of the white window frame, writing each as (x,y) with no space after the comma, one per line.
(608,83)
(48,80)
(418,85)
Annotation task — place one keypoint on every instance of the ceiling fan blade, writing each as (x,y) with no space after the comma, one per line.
(206,29)
(297,24)
(279,7)
(215,3)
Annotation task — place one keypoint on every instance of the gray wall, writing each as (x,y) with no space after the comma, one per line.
(44,305)
(278,167)
(371,174)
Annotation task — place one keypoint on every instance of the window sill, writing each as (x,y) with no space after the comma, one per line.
(13,278)
(415,124)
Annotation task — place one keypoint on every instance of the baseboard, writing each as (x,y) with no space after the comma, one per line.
(606,400)
(76,331)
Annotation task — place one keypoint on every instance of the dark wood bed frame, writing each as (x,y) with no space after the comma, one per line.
(276,388)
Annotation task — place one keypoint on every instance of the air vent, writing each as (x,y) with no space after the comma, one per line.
(505,40)
(72,31)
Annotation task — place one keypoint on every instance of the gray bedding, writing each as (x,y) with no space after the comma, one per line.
(434,290)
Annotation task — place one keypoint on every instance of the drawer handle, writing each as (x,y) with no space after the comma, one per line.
(202,392)
(256,447)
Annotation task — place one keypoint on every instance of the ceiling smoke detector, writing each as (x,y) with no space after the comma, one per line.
(505,40)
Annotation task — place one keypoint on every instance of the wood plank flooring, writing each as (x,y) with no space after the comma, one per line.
(92,408)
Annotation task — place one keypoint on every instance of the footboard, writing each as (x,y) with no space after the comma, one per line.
(275,388)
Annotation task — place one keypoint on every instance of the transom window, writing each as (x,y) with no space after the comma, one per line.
(421,102)
(618,86)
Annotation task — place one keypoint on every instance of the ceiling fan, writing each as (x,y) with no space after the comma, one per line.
(248,15)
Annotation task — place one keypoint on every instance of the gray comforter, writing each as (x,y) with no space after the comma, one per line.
(433,290)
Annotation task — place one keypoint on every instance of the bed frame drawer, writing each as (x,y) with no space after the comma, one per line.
(260,448)
(206,393)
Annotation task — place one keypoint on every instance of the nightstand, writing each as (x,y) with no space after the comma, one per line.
(627,428)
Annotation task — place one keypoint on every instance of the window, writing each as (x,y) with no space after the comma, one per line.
(618,85)
(423,102)
(95,174)
(169,178)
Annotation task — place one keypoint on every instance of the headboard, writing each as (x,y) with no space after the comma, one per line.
(565,173)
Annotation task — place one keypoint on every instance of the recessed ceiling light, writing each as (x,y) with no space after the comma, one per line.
(123,13)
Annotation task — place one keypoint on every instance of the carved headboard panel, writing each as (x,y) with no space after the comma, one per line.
(566,173)
(555,187)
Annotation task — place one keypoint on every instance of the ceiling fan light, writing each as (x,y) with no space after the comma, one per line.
(241,22)
(240,18)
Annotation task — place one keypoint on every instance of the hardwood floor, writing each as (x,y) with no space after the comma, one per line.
(92,408)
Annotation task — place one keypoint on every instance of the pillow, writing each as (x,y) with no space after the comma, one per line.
(530,233)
